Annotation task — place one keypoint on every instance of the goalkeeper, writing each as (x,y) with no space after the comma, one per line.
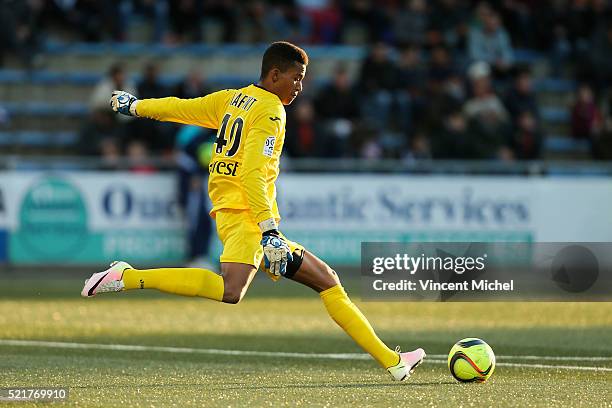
(242,172)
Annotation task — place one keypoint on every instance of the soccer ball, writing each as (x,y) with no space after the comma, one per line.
(471,360)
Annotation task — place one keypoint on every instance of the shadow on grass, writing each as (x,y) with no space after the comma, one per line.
(334,386)
(240,386)
(15,286)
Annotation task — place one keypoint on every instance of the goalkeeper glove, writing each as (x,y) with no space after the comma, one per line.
(124,103)
(276,251)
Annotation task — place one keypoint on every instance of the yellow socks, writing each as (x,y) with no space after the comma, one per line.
(355,324)
(180,281)
(205,283)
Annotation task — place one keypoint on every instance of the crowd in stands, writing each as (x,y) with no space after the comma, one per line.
(440,80)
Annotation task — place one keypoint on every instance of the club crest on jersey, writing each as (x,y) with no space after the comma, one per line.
(269,146)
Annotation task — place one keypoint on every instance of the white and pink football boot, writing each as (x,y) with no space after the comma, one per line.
(109,280)
(408,362)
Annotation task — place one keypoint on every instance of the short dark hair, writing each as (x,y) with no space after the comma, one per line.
(282,55)
(115,69)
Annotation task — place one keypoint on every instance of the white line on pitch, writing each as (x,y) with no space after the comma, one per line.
(436,358)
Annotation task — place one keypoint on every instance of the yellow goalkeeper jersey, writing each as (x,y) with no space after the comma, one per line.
(246,154)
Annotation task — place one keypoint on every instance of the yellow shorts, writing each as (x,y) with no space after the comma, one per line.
(241,239)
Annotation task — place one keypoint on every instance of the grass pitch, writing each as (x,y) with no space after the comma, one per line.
(287,318)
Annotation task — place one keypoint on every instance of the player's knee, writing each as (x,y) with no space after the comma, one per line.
(232,298)
(233,294)
(330,278)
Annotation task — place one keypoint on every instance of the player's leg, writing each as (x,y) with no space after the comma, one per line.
(180,281)
(229,288)
(317,275)
(241,250)
(237,278)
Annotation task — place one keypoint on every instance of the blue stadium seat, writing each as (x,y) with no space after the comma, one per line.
(36,138)
(563,144)
(555,115)
(38,108)
(585,170)
(238,50)
(7,139)
(50,78)
(526,56)
(12,75)
(555,85)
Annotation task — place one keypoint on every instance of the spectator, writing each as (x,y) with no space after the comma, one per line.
(601,59)
(411,81)
(5,119)
(410,23)
(303,131)
(257,13)
(518,16)
(521,96)
(226,12)
(580,22)
(586,116)
(440,66)
(324,20)
(454,88)
(337,108)
(100,127)
(194,145)
(419,147)
(371,149)
(377,83)
(411,74)
(185,21)
(286,20)
(110,154)
(193,86)
(449,25)
(552,33)
(159,135)
(272,21)
(487,116)
(338,99)
(445,88)
(19,29)
(484,101)
(150,86)
(602,143)
(490,43)
(115,79)
(527,139)
(138,157)
(154,10)
(92,20)
(450,140)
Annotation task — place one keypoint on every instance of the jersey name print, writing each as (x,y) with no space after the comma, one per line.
(250,125)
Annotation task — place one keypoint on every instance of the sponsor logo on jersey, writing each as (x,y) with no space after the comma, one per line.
(268,149)
(224,168)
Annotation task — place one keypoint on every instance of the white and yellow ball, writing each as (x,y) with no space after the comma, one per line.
(471,360)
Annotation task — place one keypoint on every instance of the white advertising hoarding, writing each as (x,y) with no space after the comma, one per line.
(81,217)
(86,217)
(332,214)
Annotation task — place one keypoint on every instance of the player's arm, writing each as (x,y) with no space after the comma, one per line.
(258,151)
(201,111)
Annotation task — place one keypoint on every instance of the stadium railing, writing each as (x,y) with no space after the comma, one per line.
(433,167)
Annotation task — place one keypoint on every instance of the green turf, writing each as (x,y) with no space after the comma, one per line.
(288,318)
